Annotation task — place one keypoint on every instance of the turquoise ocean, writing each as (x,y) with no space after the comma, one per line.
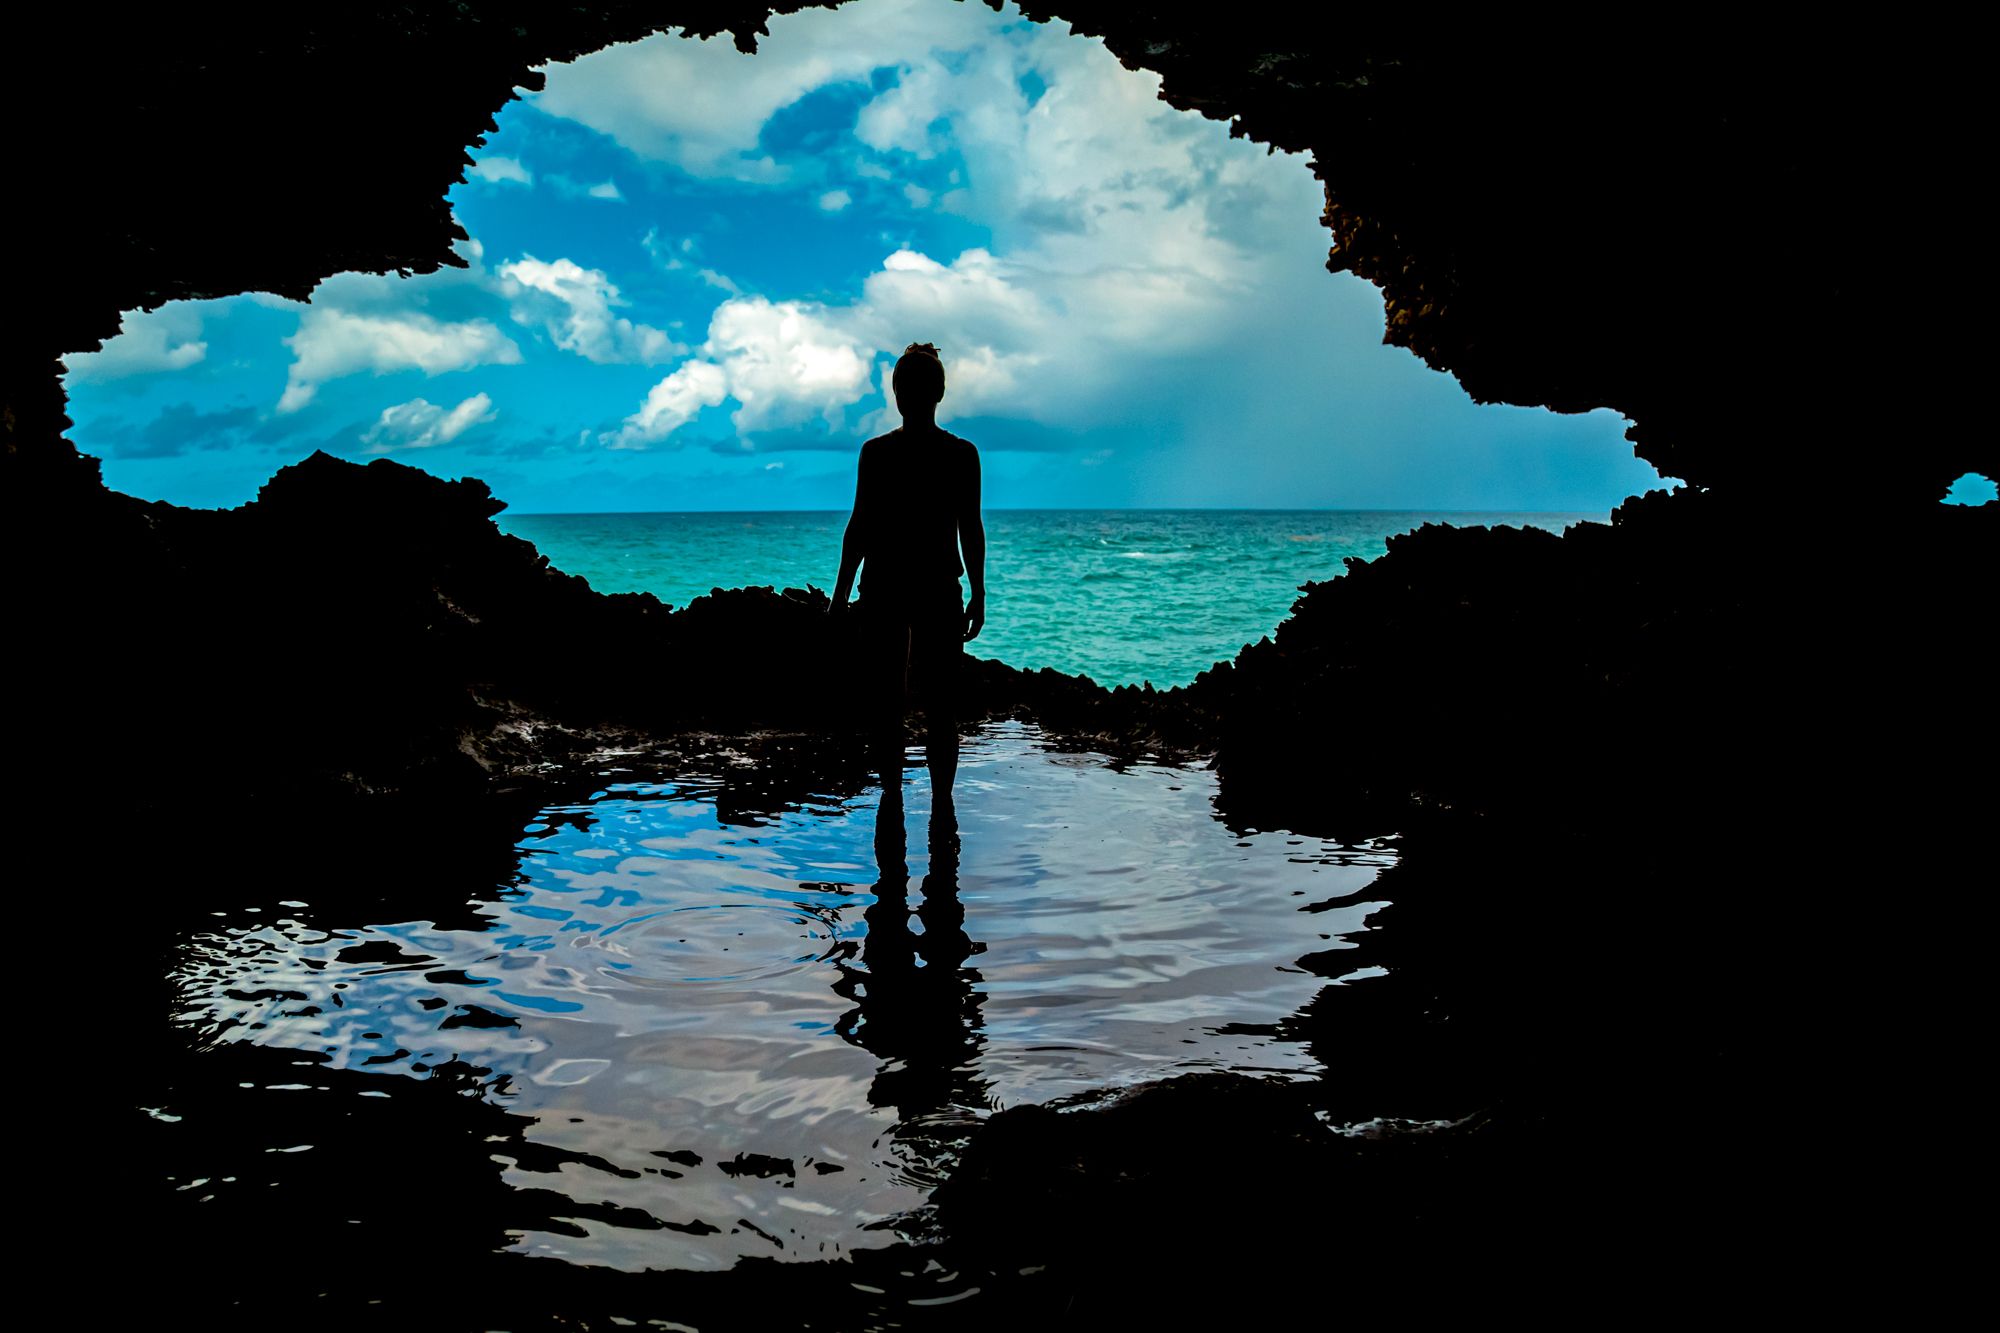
(1120,595)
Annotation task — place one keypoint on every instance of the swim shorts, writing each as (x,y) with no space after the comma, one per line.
(916,641)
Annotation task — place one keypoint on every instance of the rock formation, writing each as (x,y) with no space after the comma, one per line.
(1706,753)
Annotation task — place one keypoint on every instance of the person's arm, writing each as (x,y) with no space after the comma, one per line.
(972,545)
(854,542)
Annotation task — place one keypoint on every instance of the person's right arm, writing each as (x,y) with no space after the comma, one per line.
(854,542)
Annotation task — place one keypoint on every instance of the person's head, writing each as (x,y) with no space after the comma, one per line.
(918,380)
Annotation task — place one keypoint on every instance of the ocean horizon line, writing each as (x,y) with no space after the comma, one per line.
(1069,509)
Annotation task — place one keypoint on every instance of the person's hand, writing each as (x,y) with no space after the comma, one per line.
(975,617)
(836,603)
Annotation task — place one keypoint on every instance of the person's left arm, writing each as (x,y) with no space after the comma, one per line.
(972,545)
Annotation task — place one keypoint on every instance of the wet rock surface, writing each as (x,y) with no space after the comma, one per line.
(1772,698)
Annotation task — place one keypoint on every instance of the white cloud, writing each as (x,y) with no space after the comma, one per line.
(499,170)
(574,305)
(719,281)
(332,342)
(575,189)
(1005,344)
(658,97)
(419,424)
(147,343)
(1128,238)
(901,118)
(667,253)
(671,404)
(989,321)
(786,360)
(782,361)
(674,259)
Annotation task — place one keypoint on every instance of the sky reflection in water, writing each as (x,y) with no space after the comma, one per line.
(776,1001)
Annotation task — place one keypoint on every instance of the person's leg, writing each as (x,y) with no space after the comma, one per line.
(937,651)
(891,843)
(888,640)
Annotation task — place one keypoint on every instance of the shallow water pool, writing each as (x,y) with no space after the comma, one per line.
(769,1034)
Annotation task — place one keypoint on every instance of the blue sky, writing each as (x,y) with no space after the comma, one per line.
(690,270)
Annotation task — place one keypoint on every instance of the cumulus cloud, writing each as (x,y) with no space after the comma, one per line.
(656,97)
(781,361)
(574,305)
(1127,237)
(147,342)
(500,170)
(332,342)
(420,424)
(993,326)
(785,360)
(671,404)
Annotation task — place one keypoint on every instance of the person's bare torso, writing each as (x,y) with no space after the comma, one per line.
(917,485)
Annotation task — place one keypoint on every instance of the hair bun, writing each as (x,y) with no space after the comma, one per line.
(926,349)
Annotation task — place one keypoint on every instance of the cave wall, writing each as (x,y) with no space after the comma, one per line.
(1747,236)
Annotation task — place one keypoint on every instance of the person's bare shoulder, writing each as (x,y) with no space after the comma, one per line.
(879,444)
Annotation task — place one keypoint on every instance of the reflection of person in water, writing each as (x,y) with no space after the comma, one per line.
(916,510)
(917,1004)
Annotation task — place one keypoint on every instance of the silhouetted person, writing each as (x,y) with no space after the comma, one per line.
(918,1007)
(916,512)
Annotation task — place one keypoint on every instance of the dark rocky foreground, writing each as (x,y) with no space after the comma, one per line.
(1682,1009)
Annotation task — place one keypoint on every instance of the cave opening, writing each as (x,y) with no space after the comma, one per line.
(687,269)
